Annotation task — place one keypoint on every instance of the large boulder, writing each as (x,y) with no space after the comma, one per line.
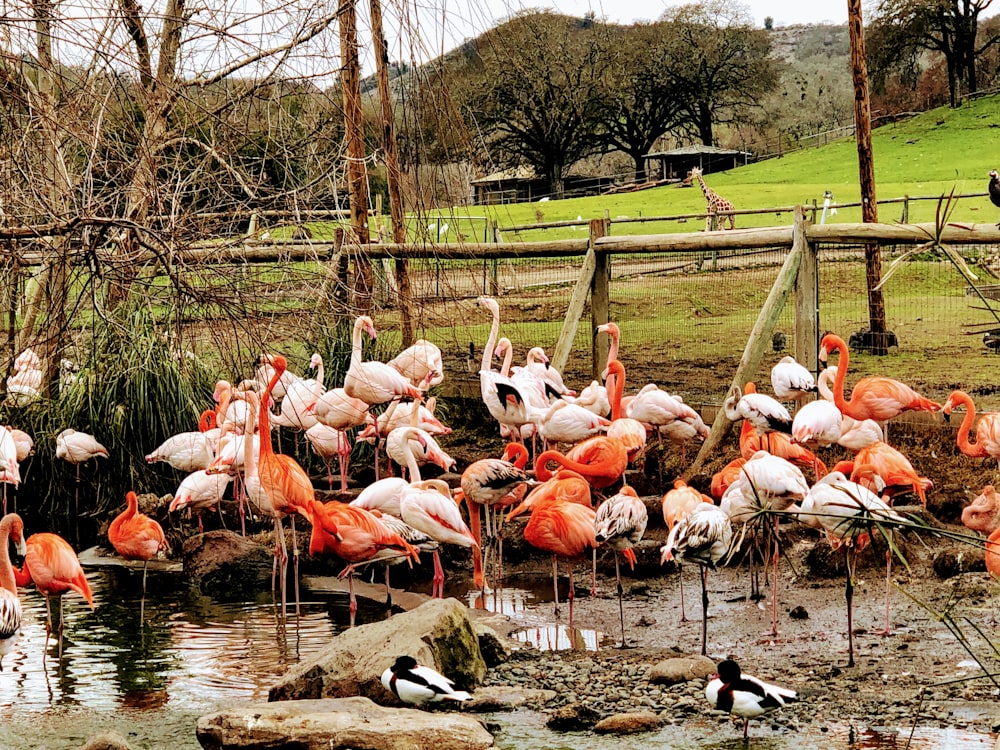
(339,723)
(681,669)
(437,634)
(223,561)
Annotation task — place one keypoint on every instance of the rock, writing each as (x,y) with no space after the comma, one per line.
(572,717)
(224,561)
(962,558)
(340,723)
(629,723)
(505,698)
(681,669)
(438,634)
(106,741)
(495,648)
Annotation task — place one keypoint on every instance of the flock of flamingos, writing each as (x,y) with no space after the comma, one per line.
(396,518)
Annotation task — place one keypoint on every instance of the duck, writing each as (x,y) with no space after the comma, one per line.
(416,685)
(745,696)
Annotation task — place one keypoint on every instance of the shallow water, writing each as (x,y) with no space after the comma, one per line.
(195,654)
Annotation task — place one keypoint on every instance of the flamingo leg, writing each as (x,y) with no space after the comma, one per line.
(283,567)
(343,460)
(76,491)
(593,574)
(142,601)
(774,585)
(5,498)
(60,628)
(571,595)
(704,611)
(555,584)
(680,585)
(437,590)
(295,564)
(888,589)
(388,590)
(621,606)
(849,596)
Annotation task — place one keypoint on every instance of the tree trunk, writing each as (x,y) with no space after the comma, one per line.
(640,166)
(866,171)
(705,124)
(558,187)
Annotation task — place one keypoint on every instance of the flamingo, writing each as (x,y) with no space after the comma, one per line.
(726,476)
(200,491)
(564,422)
(705,537)
(791,381)
(25,384)
(329,442)
(987,428)
(264,374)
(11,530)
(767,483)
(428,506)
(593,398)
(353,534)
(983,513)
(894,471)
(677,504)
(77,448)
(10,471)
(538,364)
(300,394)
(231,412)
(562,528)
(668,415)
(782,445)
(615,334)
(412,446)
(136,536)
(52,565)
(505,400)
(419,363)
(374,382)
(763,412)
(185,451)
(338,410)
(23,443)
(282,479)
(993,554)
(228,461)
(620,523)
(846,511)
(631,433)
(383,495)
(492,483)
(875,398)
(817,423)
(600,460)
(854,434)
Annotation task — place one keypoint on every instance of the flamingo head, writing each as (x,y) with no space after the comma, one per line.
(279,363)
(367,325)
(490,304)
(537,354)
(222,388)
(829,344)
(315,360)
(609,328)
(131,497)
(15,532)
(750,387)
(503,345)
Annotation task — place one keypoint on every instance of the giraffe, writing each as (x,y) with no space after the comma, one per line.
(716,203)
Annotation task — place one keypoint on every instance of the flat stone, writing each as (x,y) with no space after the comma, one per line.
(507,698)
(339,723)
(572,717)
(629,723)
(224,561)
(438,634)
(681,669)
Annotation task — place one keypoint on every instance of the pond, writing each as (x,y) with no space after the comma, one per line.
(192,654)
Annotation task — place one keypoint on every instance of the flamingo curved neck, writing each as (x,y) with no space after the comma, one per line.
(7,579)
(616,387)
(491,341)
(356,343)
(508,360)
(543,474)
(264,420)
(970,449)
(613,349)
(249,466)
(411,460)
(319,373)
(841,403)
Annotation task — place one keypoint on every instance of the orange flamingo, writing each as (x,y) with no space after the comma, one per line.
(136,536)
(563,529)
(492,483)
(52,565)
(987,428)
(993,554)
(875,398)
(11,529)
(353,534)
(892,467)
(779,444)
(678,504)
(726,476)
(282,480)
(600,460)
(630,432)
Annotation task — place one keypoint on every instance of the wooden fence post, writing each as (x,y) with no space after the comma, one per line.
(577,301)
(806,297)
(753,353)
(600,295)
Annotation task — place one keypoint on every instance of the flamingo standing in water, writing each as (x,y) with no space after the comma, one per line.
(52,565)
(136,536)
(620,523)
(875,398)
(11,530)
(987,428)
(77,448)
(562,528)
(282,480)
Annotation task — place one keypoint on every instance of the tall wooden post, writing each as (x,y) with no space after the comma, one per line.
(866,171)
(357,185)
(393,173)
(600,294)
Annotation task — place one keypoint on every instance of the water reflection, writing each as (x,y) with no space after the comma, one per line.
(514,600)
